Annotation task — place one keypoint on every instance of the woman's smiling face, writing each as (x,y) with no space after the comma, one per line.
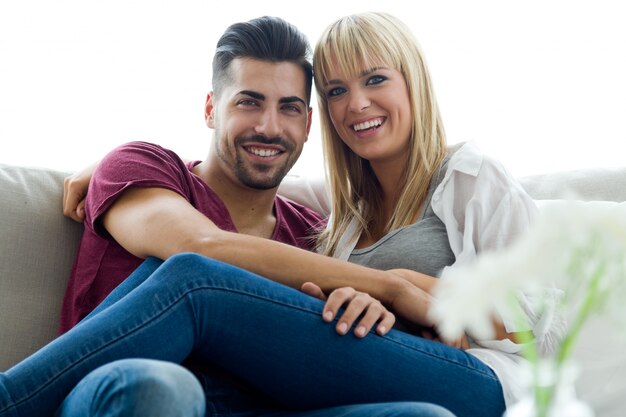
(371,111)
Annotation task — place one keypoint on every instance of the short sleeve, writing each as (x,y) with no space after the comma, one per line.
(135,164)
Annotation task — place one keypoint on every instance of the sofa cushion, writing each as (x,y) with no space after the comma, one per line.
(37,249)
(605,184)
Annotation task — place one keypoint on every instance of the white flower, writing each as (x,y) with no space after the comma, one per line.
(575,246)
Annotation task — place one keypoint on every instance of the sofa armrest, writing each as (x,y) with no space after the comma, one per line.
(37,249)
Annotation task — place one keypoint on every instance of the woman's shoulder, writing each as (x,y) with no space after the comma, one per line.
(471,174)
(468,159)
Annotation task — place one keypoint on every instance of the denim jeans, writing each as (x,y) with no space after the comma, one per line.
(148,388)
(138,388)
(265,334)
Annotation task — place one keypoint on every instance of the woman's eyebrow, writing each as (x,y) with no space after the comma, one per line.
(371,70)
(363,74)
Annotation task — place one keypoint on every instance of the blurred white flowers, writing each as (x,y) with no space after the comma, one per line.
(571,263)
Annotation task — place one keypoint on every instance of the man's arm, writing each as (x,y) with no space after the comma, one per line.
(159,222)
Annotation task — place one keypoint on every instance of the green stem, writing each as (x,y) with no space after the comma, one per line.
(545,394)
(583,314)
(542,394)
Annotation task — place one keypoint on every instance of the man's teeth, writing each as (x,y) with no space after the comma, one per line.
(264,152)
(367,125)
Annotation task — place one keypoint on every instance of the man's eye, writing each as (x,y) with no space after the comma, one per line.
(247,103)
(333,92)
(291,107)
(376,79)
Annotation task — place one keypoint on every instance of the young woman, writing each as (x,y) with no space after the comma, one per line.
(400,199)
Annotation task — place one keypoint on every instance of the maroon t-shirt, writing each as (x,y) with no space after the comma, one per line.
(101,263)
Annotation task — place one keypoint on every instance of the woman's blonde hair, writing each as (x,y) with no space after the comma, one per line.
(362,41)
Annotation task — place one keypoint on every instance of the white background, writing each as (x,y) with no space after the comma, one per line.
(540,85)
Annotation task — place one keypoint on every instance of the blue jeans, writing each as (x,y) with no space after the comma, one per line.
(267,335)
(148,388)
(136,387)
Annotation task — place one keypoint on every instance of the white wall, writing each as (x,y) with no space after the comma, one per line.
(540,85)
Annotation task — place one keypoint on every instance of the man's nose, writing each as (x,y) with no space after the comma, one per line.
(269,123)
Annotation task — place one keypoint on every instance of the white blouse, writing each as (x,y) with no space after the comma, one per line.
(483,208)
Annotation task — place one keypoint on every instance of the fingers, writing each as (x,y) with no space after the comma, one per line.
(80,211)
(313,290)
(461,343)
(73,200)
(360,308)
(431,334)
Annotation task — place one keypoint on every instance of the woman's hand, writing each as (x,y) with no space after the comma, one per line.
(431,334)
(412,304)
(74,192)
(356,305)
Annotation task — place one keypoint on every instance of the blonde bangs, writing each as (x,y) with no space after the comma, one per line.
(348,48)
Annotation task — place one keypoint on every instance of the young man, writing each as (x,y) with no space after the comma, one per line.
(144,201)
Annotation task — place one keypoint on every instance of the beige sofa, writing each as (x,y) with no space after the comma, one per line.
(38,245)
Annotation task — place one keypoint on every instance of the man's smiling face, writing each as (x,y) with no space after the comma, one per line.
(261,121)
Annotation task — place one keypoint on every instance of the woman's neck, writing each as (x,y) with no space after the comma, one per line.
(391,177)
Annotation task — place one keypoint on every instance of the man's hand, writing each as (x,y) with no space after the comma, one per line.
(74,192)
(356,304)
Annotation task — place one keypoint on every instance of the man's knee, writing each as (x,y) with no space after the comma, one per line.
(388,409)
(137,387)
(411,409)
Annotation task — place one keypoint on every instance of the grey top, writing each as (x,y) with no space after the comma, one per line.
(422,246)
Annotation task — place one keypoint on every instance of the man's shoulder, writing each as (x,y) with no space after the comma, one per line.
(144,151)
(135,165)
(139,162)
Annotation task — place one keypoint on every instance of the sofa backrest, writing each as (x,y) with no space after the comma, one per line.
(37,248)
(591,184)
(38,244)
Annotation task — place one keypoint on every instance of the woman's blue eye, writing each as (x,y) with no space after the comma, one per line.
(376,79)
(335,91)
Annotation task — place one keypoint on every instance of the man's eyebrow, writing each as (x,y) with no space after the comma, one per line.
(363,74)
(253,94)
(291,99)
(259,96)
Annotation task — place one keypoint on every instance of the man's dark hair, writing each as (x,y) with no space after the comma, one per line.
(265,38)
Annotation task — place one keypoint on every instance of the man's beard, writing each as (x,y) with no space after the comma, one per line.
(251,175)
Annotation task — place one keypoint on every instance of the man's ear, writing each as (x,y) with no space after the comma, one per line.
(209,109)
(309,120)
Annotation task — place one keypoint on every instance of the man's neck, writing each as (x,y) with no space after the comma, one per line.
(251,210)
